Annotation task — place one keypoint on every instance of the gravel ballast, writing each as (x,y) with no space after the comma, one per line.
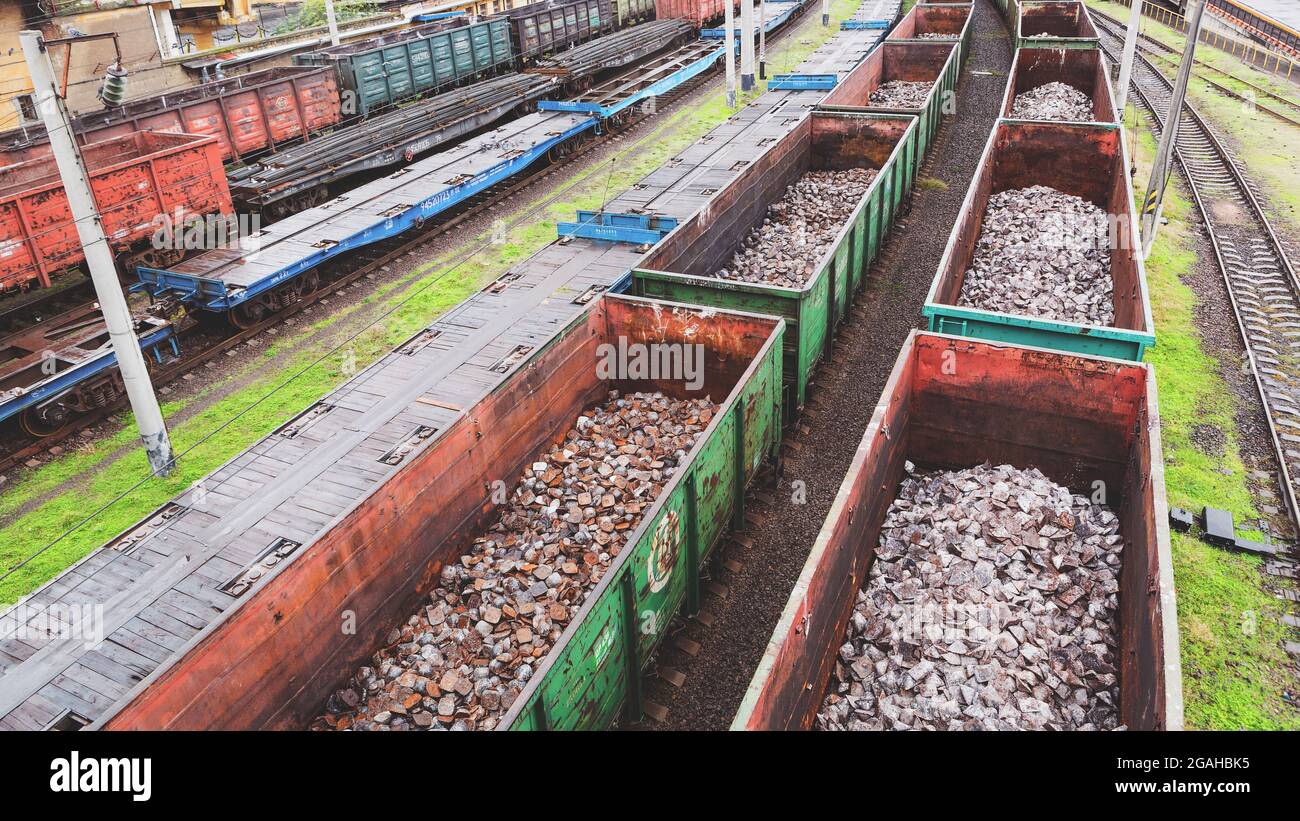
(799,228)
(1053,101)
(991,605)
(758,576)
(1042,253)
(462,660)
(900,94)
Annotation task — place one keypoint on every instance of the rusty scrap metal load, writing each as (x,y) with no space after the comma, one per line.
(295,178)
(799,228)
(992,604)
(615,50)
(1053,101)
(1043,253)
(508,600)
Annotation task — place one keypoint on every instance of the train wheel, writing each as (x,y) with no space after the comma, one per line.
(40,422)
(559,152)
(246,315)
(307,284)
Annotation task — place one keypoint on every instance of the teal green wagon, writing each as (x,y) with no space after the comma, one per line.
(681,267)
(1083,160)
(380,72)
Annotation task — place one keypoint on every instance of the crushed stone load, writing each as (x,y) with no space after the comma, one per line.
(935,35)
(799,228)
(1042,253)
(991,605)
(462,660)
(900,94)
(1053,101)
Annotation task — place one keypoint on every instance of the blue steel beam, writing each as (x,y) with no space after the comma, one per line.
(213,295)
(66,380)
(656,89)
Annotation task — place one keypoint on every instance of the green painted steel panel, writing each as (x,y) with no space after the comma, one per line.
(1116,343)
(389,74)
(600,661)
(813,312)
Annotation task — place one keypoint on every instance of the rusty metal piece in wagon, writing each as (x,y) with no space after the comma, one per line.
(799,228)
(464,658)
(1042,253)
(992,604)
(901,94)
(1053,101)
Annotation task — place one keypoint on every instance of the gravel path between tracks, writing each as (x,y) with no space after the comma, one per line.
(844,396)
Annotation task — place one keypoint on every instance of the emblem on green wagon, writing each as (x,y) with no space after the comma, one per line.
(663,551)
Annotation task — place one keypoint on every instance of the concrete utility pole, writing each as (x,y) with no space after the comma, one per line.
(1130,49)
(729,24)
(333,24)
(1160,171)
(826,12)
(746,45)
(99,257)
(762,40)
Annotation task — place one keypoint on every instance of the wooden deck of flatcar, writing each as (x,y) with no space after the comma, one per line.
(182,570)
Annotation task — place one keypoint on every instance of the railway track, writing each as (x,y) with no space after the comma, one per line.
(1286,110)
(1261,281)
(200,342)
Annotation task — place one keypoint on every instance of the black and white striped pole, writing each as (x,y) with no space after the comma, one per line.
(1154,201)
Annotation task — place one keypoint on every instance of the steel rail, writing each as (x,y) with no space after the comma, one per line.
(1261,282)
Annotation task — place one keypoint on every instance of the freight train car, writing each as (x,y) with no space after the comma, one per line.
(248,114)
(938,22)
(698,12)
(143,183)
(953,403)
(913,61)
(425,503)
(66,367)
(1081,69)
(465,354)
(1054,25)
(683,266)
(545,28)
(1085,161)
(382,71)
(630,12)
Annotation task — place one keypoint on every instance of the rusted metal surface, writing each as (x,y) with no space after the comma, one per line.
(1084,69)
(698,12)
(953,403)
(1085,160)
(951,20)
(154,580)
(1061,24)
(545,28)
(919,61)
(273,660)
(137,179)
(247,114)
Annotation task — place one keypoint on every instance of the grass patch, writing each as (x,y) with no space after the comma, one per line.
(931,184)
(1234,668)
(263,397)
